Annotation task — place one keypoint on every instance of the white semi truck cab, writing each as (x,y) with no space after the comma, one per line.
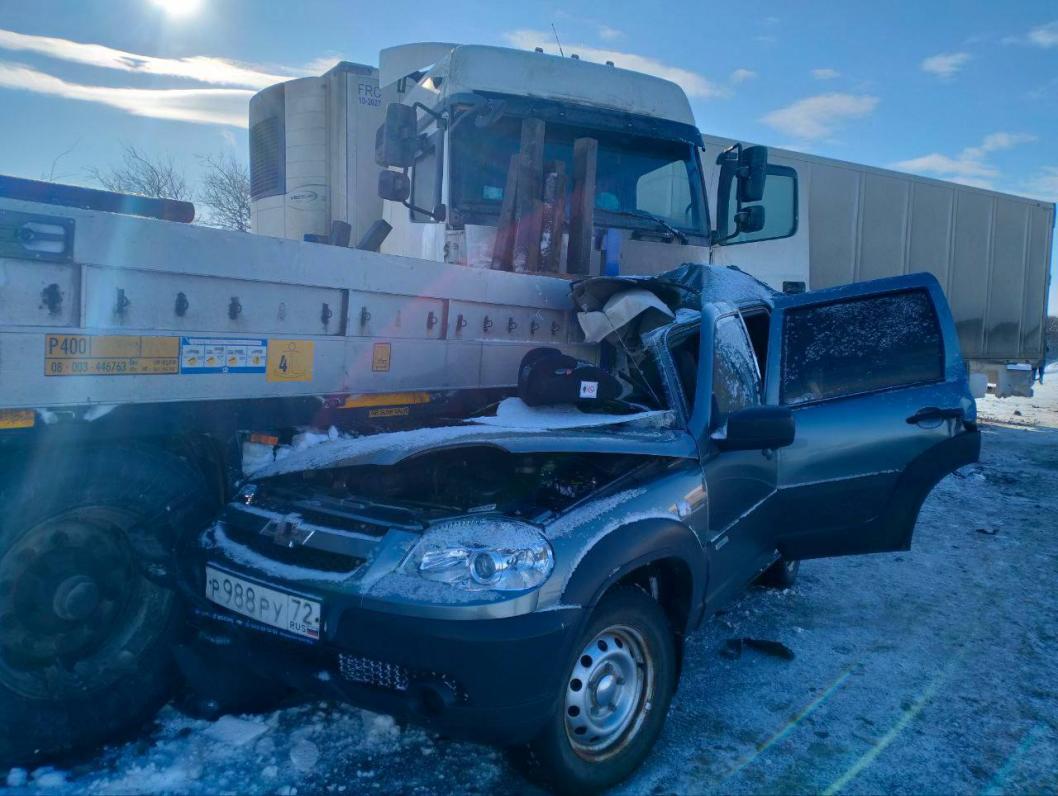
(584,168)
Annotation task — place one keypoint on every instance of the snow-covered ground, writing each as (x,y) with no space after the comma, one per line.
(934,671)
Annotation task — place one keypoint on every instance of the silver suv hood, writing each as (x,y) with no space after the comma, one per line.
(515,428)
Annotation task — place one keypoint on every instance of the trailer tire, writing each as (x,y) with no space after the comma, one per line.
(85,634)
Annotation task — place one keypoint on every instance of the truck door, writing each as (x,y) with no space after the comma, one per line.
(878,389)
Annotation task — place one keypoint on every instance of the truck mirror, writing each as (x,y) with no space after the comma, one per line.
(394,186)
(752,170)
(395,140)
(749,219)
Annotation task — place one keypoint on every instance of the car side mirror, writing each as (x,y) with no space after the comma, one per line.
(749,219)
(752,171)
(757,428)
(397,138)
(394,186)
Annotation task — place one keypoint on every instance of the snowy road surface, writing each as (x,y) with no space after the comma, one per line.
(934,671)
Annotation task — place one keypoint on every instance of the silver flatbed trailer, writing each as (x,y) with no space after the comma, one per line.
(136,310)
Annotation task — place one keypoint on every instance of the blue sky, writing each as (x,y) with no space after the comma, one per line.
(957,90)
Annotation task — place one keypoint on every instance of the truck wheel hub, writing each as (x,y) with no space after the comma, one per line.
(607,693)
(76,598)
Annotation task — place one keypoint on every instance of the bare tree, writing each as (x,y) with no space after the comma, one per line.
(139,173)
(226,191)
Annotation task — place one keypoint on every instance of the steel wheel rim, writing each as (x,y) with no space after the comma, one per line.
(71,604)
(608,693)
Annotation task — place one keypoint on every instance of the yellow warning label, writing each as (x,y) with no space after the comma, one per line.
(110,355)
(17,418)
(290,360)
(381,354)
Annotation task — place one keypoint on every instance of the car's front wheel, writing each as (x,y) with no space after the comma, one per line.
(614,700)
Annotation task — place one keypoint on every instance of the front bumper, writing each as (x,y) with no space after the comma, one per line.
(490,679)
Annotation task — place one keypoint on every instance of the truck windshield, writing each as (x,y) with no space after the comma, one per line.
(634,174)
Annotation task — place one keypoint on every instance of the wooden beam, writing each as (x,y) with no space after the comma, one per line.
(554,217)
(528,203)
(503,248)
(582,209)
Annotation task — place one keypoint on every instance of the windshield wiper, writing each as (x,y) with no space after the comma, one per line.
(682,238)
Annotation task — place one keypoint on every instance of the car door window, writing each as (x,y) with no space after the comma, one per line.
(859,346)
(736,378)
(685,358)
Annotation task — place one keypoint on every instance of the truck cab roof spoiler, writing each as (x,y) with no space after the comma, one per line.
(94,199)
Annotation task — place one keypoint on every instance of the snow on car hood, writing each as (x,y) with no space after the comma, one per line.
(516,428)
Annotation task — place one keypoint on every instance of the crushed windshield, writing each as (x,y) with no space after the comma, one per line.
(636,177)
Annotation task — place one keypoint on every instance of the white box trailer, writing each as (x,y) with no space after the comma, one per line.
(990,251)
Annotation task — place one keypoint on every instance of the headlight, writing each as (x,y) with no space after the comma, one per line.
(484,554)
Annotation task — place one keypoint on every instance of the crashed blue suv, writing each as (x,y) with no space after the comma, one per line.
(527,578)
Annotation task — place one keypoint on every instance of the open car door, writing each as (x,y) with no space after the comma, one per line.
(878,388)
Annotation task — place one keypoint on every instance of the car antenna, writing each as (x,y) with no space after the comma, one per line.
(555,31)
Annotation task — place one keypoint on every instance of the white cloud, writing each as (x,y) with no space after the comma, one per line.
(1042,36)
(606,33)
(1044,185)
(947,166)
(945,65)
(818,117)
(825,74)
(994,142)
(742,75)
(203,69)
(969,166)
(202,105)
(693,83)
(321,64)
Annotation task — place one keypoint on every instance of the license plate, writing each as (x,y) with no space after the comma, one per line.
(293,613)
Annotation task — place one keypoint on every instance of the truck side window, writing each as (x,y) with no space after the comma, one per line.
(736,379)
(860,345)
(426,177)
(780,208)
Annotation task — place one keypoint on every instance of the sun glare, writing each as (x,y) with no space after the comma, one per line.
(178,8)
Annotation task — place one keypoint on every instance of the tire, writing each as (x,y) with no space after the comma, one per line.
(85,635)
(780,575)
(566,756)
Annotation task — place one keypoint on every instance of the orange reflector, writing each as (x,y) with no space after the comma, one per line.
(264,439)
(17,418)
(386,399)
